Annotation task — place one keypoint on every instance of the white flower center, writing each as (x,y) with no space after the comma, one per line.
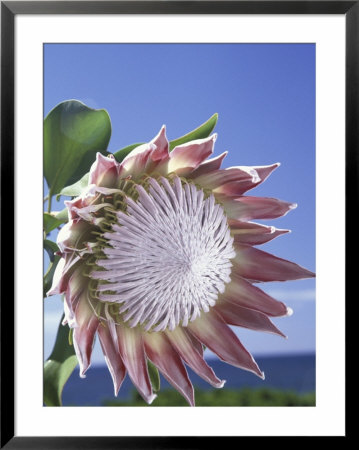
(169,256)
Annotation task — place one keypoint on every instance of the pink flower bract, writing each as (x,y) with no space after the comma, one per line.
(158,259)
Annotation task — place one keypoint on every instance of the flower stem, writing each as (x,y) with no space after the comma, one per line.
(49,203)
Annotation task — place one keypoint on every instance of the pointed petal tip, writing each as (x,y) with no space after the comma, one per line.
(49,293)
(293,205)
(257,371)
(289,312)
(116,387)
(255,368)
(162,131)
(83,369)
(150,398)
(191,400)
(221,384)
(279,230)
(282,334)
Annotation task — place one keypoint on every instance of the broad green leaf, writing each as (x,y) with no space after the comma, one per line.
(75,189)
(51,222)
(154,376)
(120,155)
(49,275)
(201,132)
(73,134)
(58,367)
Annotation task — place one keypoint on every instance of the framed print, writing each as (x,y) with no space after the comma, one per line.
(146,288)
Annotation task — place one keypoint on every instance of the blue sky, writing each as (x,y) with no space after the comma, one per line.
(265,97)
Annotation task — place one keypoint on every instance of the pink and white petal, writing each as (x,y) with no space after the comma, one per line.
(251,233)
(88,213)
(59,284)
(237,315)
(234,187)
(146,157)
(76,286)
(259,239)
(104,171)
(87,197)
(264,171)
(112,357)
(247,176)
(73,235)
(187,157)
(196,344)
(132,352)
(165,358)
(249,208)
(84,333)
(161,143)
(63,272)
(238,227)
(257,265)
(208,166)
(181,341)
(243,293)
(135,163)
(106,191)
(212,330)
(73,205)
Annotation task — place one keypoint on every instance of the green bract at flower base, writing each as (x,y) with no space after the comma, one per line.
(158,260)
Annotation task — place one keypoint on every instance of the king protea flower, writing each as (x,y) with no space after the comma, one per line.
(158,260)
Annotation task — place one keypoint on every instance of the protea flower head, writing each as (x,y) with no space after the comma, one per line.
(159,258)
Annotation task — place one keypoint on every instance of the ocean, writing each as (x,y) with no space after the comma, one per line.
(287,372)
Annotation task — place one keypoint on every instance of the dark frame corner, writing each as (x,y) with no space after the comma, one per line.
(9,9)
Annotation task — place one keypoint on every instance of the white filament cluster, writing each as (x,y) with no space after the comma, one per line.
(169,256)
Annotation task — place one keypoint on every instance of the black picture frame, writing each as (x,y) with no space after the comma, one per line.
(9,10)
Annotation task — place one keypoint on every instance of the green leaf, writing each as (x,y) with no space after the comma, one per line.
(51,248)
(201,132)
(58,367)
(75,189)
(154,376)
(51,222)
(49,275)
(120,155)
(73,134)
